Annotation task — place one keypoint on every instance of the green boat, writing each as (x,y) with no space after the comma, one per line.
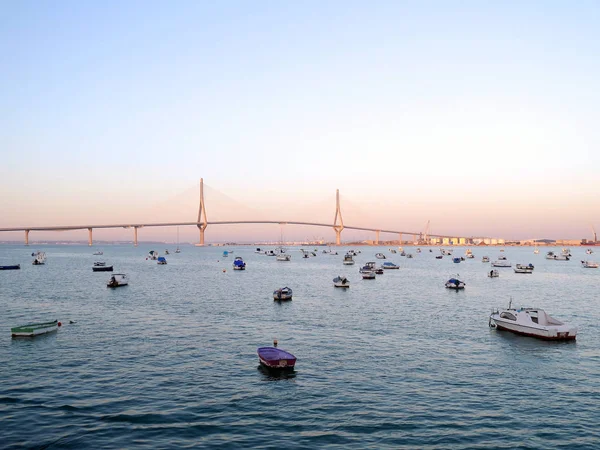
(33,329)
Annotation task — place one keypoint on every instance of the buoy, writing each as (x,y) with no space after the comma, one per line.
(224,270)
(274,342)
(59,324)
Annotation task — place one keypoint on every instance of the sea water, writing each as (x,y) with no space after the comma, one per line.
(397,362)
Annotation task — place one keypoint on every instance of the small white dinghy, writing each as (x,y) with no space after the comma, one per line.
(282,294)
(533,322)
(117,280)
(589,264)
(501,264)
(368,275)
(283,257)
(341,282)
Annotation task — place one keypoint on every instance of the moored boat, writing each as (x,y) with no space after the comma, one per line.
(485,259)
(117,280)
(379,256)
(39,258)
(341,282)
(389,265)
(368,275)
(501,264)
(34,329)
(533,322)
(589,251)
(522,268)
(98,253)
(282,294)
(493,274)
(456,260)
(284,257)
(161,261)
(102,268)
(239,264)
(589,264)
(348,260)
(274,358)
(11,267)
(455,283)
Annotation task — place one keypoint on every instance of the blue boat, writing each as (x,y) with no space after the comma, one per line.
(225,254)
(239,264)
(162,260)
(14,267)
(390,265)
(456,260)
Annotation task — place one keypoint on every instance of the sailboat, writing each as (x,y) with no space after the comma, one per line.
(177,250)
(536,250)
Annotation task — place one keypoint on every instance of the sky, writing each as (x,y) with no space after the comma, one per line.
(481,117)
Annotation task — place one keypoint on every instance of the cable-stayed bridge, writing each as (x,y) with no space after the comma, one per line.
(202,224)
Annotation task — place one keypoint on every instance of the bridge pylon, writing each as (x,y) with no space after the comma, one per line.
(338,213)
(202,222)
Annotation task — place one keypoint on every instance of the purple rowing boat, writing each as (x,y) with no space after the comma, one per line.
(274,358)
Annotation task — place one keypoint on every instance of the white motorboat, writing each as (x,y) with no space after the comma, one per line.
(282,294)
(118,280)
(469,253)
(501,264)
(379,256)
(341,282)
(522,268)
(368,275)
(566,252)
(485,259)
(270,253)
(533,322)
(39,258)
(348,259)
(455,283)
(98,253)
(258,250)
(550,255)
(589,264)
(501,258)
(589,251)
(284,257)
(493,274)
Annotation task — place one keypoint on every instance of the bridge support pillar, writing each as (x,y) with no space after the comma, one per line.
(377,237)
(338,235)
(26,237)
(90,237)
(201,228)
(338,213)
(135,238)
(202,221)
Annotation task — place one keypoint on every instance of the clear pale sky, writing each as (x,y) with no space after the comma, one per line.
(482,117)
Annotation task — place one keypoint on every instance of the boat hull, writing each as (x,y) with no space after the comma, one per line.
(276,359)
(559,336)
(14,267)
(102,269)
(34,329)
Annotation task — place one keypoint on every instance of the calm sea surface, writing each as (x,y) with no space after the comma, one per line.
(397,362)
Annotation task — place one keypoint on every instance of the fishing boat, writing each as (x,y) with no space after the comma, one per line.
(533,322)
(282,294)
(12,267)
(117,280)
(485,259)
(273,358)
(522,268)
(162,261)
(501,264)
(239,264)
(455,283)
(493,274)
(589,264)
(35,329)
(102,268)
(39,258)
(389,265)
(379,256)
(341,282)
(348,260)
(368,275)
(284,257)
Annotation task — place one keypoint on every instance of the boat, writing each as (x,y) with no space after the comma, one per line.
(409,255)
(284,257)
(456,260)
(167,252)
(270,253)
(352,252)
(273,358)
(162,261)
(225,254)
(392,250)
(554,256)
(99,264)
(501,264)
(177,249)
(12,267)
(282,294)
(348,260)
(258,250)
(533,322)
(330,252)
(536,250)
(438,257)
(239,264)
(35,329)
(493,274)
(521,268)
(389,265)
(118,280)
(98,253)
(485,259)
(368,275)
(455,283)
(341,282)
(379,256)
(102,268)
(418,250)
(589,264)
(469,253)
(402,253)
(39,258)
(589,251)
(566,252)
(501,258)
(152,255)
